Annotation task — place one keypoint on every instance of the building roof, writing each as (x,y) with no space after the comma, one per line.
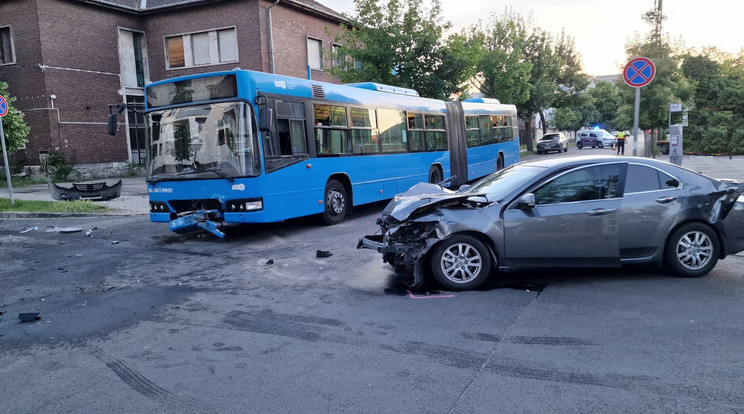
(144,6)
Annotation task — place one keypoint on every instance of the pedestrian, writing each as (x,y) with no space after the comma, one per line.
(621,143)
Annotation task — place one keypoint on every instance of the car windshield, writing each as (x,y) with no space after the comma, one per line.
(502,183)
(204,141)
(553,137)
(604,134)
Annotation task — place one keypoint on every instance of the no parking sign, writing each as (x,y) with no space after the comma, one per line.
(639,72)
(4,107)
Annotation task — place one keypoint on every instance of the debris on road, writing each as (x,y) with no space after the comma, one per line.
(88,191)
(270,262)
(55,229)
(29,316)
(28,230)
(323,253)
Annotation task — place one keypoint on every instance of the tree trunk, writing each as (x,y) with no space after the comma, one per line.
(530,133)
(544,124)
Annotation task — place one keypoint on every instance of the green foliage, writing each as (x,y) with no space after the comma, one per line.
(78,206)
(18,181)
(57,162)
(504,73)
(567,119)
(14,127)
(400,43)
(605,100)
(715,119)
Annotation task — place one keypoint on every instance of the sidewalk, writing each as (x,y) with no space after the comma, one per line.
(132,201)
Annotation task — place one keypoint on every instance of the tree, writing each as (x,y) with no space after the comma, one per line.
(715,121)
(503,72)
(14,127)
(604,98)
(567,119)
(401,44)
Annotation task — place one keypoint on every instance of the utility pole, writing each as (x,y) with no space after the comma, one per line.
(655,17)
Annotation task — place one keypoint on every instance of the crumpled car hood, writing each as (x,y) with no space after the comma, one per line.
(420,197)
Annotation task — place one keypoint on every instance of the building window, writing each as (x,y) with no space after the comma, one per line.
(338,56)
(203,48)
(314,53)
(6,46)
(138,41)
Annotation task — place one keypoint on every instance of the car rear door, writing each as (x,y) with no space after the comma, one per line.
(574,221)
(651,202)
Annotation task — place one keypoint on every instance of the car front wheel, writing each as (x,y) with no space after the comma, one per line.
(579,145)
(600,145)
(460,262)
(692,250)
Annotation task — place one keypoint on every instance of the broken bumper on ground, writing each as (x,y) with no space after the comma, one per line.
(404,257)
(87,191)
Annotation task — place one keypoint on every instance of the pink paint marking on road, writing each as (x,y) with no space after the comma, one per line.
(429,297)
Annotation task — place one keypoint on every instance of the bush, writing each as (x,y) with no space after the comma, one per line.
(58,165)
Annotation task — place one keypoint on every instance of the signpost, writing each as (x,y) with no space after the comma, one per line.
(638,73)
(4,108)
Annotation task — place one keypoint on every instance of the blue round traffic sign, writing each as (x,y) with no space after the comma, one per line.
(639,72)
(3,107)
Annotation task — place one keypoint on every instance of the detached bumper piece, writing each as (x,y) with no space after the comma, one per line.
(374,242)
(194,222)
(87,191)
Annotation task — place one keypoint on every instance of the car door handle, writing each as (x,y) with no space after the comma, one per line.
(665,200)
(600,211)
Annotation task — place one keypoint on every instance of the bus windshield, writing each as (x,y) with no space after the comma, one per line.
(205,141)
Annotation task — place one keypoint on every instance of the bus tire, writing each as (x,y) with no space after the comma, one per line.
(335,202)
(500,163)
(435,175)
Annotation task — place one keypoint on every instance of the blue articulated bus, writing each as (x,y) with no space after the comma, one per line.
(252,147)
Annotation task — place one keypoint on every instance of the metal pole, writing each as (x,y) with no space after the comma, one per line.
(5,159)
(636,113)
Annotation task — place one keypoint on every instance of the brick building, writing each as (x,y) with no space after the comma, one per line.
(66,60)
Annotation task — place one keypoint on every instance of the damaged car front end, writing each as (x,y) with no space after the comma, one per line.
(418,219)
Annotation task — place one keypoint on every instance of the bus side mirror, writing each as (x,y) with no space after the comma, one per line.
(266,119)
(112,124)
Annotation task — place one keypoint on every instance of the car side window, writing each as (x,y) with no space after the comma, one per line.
(593,135)
(641,178)
(583,184)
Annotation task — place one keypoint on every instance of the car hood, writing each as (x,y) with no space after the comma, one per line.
(425,196)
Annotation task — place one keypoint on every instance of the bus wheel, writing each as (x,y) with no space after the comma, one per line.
(500,163)
(435,176)
(335,202)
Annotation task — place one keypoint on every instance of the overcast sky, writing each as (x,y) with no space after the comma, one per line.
(601,28)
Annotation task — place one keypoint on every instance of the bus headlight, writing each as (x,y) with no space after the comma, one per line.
(158,207)
(248,204)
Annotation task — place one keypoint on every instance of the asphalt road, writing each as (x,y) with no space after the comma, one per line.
(135,318)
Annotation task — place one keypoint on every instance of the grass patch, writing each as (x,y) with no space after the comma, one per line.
(19,181)
(79,206)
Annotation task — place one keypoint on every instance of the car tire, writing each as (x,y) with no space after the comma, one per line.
(600,145)
(335,202)
(460,262)
(692,250)
(579,145)
(565,149)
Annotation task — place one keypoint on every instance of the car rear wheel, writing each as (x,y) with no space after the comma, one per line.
(335,202)
(579,145)
(692,250)
(461,262)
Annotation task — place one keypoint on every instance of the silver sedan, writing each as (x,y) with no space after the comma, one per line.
(591,211)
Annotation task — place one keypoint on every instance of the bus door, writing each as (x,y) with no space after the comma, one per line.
(456,143)
(288,142)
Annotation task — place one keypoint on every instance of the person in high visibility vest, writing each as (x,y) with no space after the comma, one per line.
(621,143)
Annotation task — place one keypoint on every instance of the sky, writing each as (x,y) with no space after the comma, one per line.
(601,28)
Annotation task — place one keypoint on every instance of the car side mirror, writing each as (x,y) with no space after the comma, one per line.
(266,123)
(112,124)
(525,202)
